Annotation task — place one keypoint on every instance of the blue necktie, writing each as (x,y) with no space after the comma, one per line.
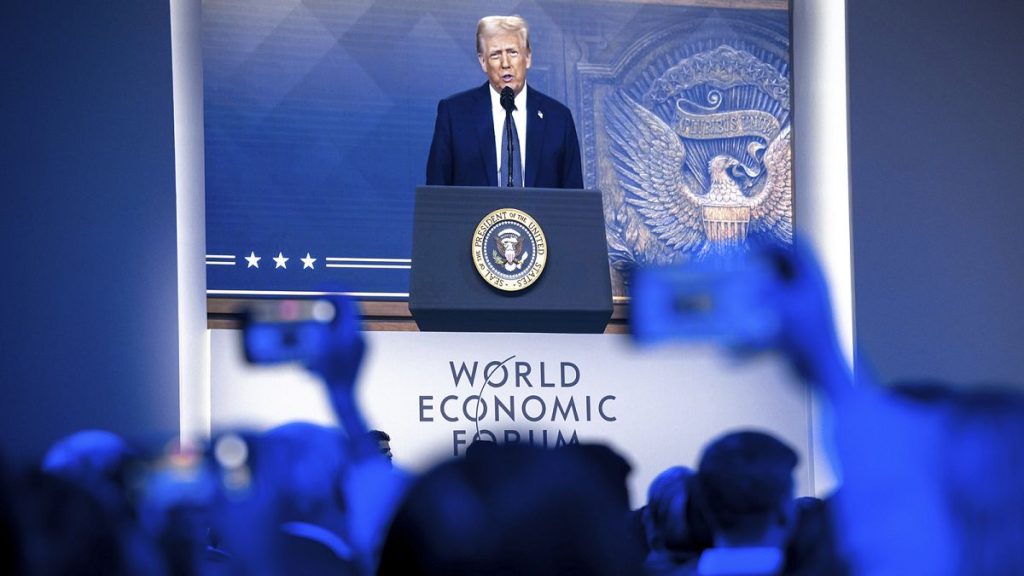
(517,157)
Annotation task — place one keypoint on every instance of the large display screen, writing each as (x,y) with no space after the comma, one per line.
(319,116)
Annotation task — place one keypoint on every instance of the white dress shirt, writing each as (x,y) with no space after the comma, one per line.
(519,116)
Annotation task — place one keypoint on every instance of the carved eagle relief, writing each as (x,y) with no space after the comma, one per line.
(669,204)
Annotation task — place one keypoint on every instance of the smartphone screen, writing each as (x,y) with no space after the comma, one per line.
(703,301)
(277,331)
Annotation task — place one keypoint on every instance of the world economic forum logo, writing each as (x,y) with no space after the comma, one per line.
(509,249)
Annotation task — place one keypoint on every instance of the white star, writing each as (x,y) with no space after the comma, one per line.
(281,261)
(307,262)
(540,114)
(253,260)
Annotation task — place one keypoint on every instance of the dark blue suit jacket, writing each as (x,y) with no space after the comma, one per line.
(462,152)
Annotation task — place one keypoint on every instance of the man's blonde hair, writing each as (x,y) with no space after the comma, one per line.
(489,25)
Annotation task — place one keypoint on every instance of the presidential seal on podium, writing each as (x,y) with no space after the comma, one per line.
(509,249)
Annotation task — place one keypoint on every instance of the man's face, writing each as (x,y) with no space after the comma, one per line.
(385,449)
(505,60)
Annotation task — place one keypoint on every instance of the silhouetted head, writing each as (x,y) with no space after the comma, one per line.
(479,446)
(745,482)
(383,442)
(515,510)
(812,549)
(97,461)
(66,530)
(665,515)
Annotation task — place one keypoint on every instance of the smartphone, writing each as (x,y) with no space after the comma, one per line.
(725,302)
(277,331)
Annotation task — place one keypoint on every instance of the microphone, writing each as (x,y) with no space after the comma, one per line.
(508,99)
(509,104)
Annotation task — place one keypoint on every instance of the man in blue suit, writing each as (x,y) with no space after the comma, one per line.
(468,144)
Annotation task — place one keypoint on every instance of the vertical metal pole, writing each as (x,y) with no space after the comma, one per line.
(189,172)
(822,176)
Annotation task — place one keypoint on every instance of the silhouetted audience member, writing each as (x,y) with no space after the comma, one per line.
(812,549)
(931,485)
(96,461)
(383,442)
(664,519)
(515,509)
(744,488)
(104,468)
(478,446)
(67,530)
